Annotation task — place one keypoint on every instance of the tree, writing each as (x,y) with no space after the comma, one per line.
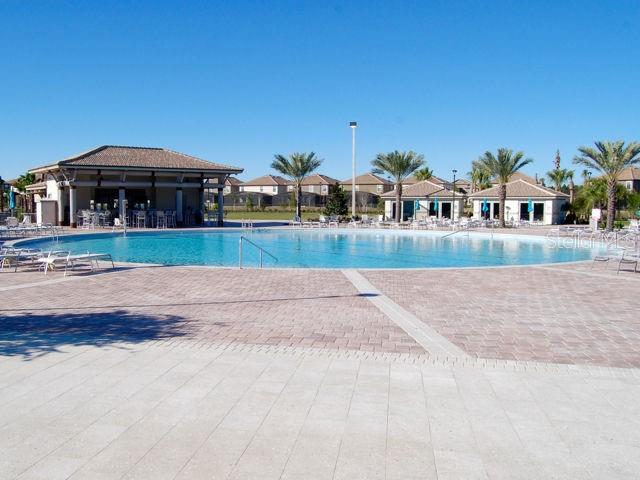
(572,187)
(398,165)
(502,166)
(425,173)
(480,177)
(558,177)
(249,203)
(297,167)
(21,184)
(594,195)
(337,201)
(609,158)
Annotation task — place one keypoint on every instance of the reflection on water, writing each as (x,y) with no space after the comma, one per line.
(323,248)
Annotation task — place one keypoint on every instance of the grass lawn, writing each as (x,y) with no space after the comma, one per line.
(268,215)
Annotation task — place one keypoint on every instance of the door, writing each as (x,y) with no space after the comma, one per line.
(496,210)
(446,209)
(538,211)
(524,211)
(407,209)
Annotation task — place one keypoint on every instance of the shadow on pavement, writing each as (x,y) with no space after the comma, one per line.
(31,334)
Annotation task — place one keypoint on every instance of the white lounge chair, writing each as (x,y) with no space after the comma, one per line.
(52,260)
(624,256)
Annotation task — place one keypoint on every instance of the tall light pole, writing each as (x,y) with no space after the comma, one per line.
(353,126)
(453,201)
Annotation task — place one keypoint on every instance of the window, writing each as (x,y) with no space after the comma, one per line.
(261,188)
(241,188)
(629,186)
(274,189)
(379,188)
(325,189)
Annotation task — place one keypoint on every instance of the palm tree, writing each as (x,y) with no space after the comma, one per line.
(586,174)
(501,167)
(572,187)
(425,173)
(558,176)
(480,178)
(297,167)
(398,165)
(609,158)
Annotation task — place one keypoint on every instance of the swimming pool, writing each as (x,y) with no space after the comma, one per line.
(321,248)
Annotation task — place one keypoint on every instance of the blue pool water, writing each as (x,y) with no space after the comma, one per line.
(324,248)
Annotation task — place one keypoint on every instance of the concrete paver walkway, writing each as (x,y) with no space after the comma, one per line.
(144,411)
(199,373)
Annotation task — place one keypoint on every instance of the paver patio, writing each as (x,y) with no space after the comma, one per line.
(186,372)
(564,314)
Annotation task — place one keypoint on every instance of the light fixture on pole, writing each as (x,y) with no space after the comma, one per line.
(453,201)
(353,126)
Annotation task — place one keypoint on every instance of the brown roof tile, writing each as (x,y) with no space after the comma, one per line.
(368,179)
(519,189)
(421,190)
(629,173)
(266,180)
(111,156)
(319,179)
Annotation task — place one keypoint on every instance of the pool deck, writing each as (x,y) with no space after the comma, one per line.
(194,372)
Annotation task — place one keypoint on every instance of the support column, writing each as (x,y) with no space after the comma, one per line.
(122,205)
(73,221)
(179,206)
(201,204)
(60,206)
(220,207)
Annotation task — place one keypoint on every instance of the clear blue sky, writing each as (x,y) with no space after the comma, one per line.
(236,82)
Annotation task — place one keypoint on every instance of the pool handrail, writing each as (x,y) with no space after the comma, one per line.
(260,249)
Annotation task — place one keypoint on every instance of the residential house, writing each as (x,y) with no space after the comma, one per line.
(266,184)
(316,183)
(232,185)
(630,179)
(370,183)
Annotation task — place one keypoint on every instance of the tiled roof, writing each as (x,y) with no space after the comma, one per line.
(421,190)
(519,176)
(319,179)
(368,179)
(110,156)
(233,181)
(519,189)
(36,186)
(629,173)
(266,180)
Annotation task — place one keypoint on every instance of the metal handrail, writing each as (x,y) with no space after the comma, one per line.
(260,249)
(465,229)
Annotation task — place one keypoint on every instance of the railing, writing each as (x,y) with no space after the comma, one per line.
(260,249)
(465,229)
(246,223)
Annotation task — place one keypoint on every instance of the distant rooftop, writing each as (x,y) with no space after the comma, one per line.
(368,179)
(266,180)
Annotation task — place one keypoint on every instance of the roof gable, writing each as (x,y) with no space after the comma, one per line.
(269,180)
(421,189)
(367,179)
(319,179)
(629,173)
(519,189)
